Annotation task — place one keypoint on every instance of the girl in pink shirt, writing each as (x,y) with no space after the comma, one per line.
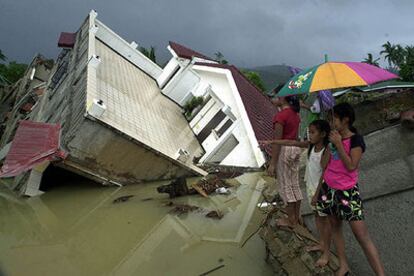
(338,194)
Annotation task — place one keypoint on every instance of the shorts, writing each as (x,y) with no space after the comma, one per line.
(310,191)
(344,204)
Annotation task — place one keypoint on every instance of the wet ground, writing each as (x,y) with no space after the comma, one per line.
(76,229)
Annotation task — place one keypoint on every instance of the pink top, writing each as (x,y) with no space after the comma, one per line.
(336,174)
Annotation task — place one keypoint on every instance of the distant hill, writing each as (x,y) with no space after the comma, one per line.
(272,75)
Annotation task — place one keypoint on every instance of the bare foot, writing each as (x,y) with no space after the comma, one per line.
(323,260)
(312,248)
(284,222)
(342,271)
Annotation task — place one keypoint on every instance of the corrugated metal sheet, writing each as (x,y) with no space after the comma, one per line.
(33,144)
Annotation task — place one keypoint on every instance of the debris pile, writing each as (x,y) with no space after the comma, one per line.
(209,184)
(286,248)
(205,186)
(176,188)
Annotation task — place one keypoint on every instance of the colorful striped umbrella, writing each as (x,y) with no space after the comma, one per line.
(332,75)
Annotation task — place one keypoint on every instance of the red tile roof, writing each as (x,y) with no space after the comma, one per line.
(185,52)
(66,40)
(259,108)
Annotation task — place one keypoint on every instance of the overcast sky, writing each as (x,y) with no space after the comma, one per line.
(248,33)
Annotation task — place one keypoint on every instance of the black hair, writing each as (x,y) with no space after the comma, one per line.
(345,110)
(294,103)
(321,126)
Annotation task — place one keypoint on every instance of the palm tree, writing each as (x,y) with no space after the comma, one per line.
(2,56)
(220,58)
(399,55)
(371,60)
(409,54)
(389,51)
(149,53)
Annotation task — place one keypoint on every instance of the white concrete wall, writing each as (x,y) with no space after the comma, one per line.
(167,71)
(242,154)
(204,116)
(181,85)
(125,49)
(220,87)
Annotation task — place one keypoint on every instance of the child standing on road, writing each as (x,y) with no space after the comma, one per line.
(317,143)
(338,194)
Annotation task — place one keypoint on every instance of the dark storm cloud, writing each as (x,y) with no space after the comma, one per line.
(248,33)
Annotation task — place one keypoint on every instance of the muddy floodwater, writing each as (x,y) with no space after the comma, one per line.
(76,229)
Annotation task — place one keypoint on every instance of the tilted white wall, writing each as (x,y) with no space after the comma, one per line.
(181,85)
(167,71)
(125,49)
(242,154)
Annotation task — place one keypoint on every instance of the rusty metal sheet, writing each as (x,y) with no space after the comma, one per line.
(33,144)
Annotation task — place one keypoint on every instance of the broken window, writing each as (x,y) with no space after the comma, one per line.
(63,61)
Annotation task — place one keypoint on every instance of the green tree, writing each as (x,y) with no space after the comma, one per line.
(399,55)
(255,78)
(12,71)
(2,56)
(219,57)
(407,68)
(149,53)
(371,60)
(389,52)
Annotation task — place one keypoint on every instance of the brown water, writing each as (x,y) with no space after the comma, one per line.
(77,230)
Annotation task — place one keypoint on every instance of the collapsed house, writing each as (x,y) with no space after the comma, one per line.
(120,117)
(18,100)
(232,114)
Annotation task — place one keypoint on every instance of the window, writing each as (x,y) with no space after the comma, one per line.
(212,124)
(224,127)
(224,150)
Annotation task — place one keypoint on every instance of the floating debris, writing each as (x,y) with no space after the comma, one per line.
(223,191)
(147,199)
(180,209)
(176,188)
(210,184)
(215,215)
(122,199)
(212,270)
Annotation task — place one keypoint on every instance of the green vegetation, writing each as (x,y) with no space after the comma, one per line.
(400,59)
(149,53)
(370,60)
(191,105)
(219,57)
(11,72)
(255,78)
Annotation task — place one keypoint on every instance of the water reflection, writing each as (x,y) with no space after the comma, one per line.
(77,230)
